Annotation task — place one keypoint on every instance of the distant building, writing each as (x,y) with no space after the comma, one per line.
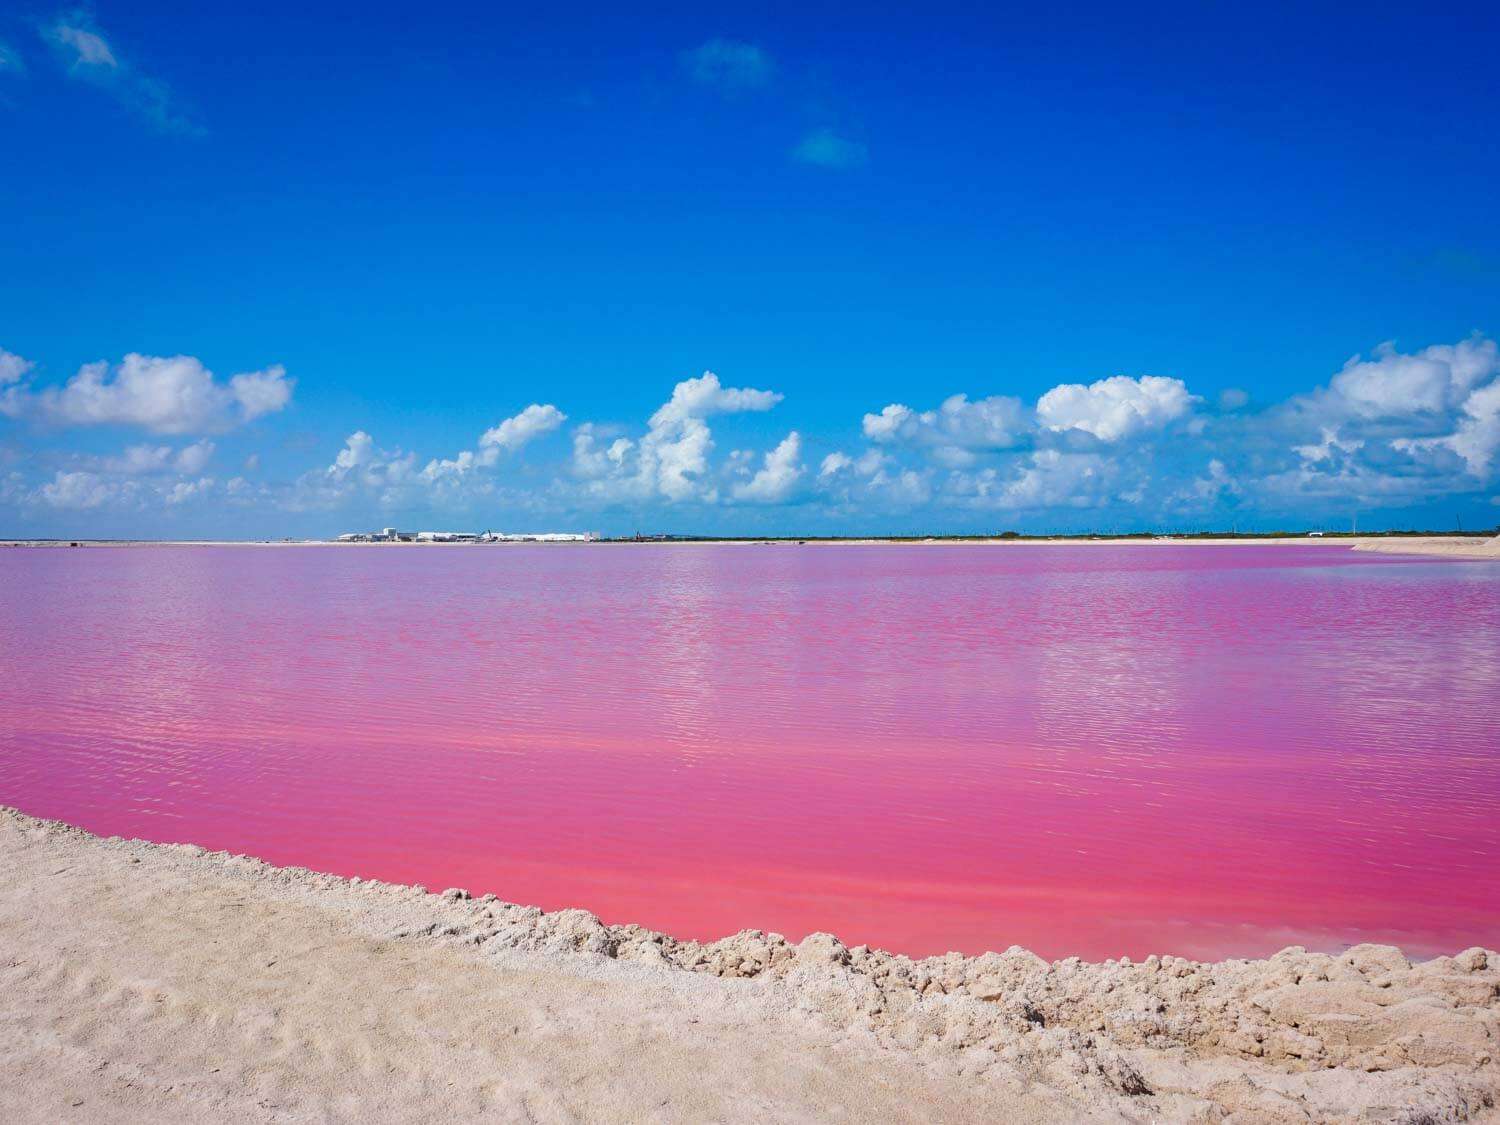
(539,537)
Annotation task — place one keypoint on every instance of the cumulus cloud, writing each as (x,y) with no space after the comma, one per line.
(261,392)
(778,475)
(1397,424)
(1385,429)
(823,148)
(1115,408)
(705,396)
(834,464)
(508,436)
(673,456)
(89,57)
(359,468)
(192,458)
(186,490)
(138,460)
(671,460)
(13,368)
(358,451)
(79,490)
(1046,478)
(511,434)
(166,395)
(1476,438)
(728,65)
(957,426)
(592,458)
(1213,486)
(1434,380)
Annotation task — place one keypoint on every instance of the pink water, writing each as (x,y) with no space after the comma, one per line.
(1087,750)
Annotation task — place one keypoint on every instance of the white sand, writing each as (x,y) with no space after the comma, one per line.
(148,983)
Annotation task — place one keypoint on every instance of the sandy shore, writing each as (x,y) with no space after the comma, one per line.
(1451,546)
(164,983)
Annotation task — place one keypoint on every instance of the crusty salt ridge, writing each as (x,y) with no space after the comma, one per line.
(163,983)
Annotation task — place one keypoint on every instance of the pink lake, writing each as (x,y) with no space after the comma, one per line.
(1093,750)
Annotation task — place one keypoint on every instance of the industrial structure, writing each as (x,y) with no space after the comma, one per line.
(395,535)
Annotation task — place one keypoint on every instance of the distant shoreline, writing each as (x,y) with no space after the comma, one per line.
(1449,545)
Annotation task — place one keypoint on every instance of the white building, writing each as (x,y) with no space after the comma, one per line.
(540,537)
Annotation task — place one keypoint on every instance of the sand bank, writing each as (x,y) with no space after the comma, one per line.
(1452,546)
(164,983)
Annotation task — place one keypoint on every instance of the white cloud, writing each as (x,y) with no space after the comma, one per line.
(706,396)
(1048,478)
(192,458)
(1213,486)
(1476,438)
(79,490)
(778,475)
(139,459)
(12,367)
(358,452)
(166,395)
(590,459)
(677,459)
(87,48)
(1115,408)
(90,57)
(998,422)
(360,467)
(728,65)
(671,460)
(907,488)
(1433,380)
(889,423)
(514,432)
(834,464)
(186,490)
(449,469)
(509,436)
(1327,447)
(1397,426)
(261,392)
(824,148)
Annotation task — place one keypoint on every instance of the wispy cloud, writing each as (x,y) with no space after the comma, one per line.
(824,148)
(728,65)
(10,60)
(90,57)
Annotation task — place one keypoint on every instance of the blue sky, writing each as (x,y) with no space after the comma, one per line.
(471,266)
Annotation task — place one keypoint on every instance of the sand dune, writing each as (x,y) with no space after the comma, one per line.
(163,983)
(1466,547)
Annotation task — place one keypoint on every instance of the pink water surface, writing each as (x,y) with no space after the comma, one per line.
(1094,750)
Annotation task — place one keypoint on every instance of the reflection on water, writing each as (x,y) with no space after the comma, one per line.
(1092,749)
